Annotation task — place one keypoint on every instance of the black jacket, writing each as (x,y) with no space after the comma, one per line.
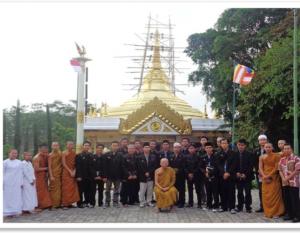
(245,164)
(201,152)
(212,164)
(84,164)
(256,154)
(97,168)
(143,167)
(123,151)
(113,163)
(192,164)
(185,151)
(166,155)
(178,163)
(129,166)
(227,160)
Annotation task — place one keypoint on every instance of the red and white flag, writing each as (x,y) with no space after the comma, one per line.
(243,75)
(76,65)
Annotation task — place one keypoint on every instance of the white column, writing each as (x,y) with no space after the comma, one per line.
(80,104)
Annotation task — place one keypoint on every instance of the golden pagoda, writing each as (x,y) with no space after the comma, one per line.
(154,113)
(156,84)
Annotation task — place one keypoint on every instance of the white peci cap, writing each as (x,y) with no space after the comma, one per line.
(176,144)
(262,136)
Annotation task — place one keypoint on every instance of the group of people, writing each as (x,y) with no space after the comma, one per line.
(148,174)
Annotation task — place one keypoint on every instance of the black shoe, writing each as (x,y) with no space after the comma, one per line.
(296,220)
(259,210)
(80,206)
(180,206)
(190,206)
(238,209)
(249,210)
(199,206)
(287,218)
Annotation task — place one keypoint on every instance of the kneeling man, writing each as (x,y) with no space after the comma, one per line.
(164,189)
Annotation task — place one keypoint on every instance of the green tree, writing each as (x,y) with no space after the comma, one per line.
(255,38)
(35,124)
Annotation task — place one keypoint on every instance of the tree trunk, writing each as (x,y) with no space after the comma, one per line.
(35,139)
(49,127)
(17,140)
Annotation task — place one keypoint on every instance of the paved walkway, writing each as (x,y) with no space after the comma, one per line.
(135,214)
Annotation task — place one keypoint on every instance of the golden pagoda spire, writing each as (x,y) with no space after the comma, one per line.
(156,79)
(156,64)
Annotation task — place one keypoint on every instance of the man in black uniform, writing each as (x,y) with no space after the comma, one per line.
(185,142)
(177,162)
(209,168)
(147,163)
(84,176)
(113,162)
(129,180)
(98,172)
(203,141)
(201,152)
(262,140)
(165,152)
(155,151)
(227,166)
(244,176)
(123,146)
(193,174)
(138,147)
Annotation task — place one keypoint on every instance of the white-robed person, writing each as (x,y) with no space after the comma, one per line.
(29,189)
(12,185)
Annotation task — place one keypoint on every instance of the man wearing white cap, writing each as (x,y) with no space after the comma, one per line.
(262,140)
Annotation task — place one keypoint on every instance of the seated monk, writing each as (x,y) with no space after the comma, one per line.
(164,189)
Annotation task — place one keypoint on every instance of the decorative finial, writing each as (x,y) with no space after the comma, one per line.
(81,51)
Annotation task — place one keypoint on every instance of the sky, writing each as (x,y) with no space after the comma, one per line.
(38,44)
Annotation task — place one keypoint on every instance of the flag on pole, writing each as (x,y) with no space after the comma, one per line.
(243,75)
(76,65)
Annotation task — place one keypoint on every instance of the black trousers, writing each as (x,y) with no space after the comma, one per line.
(294,207)
(259,184)
(136,191)
(212,193)
(128,192)
(100,189)
(196,181)
(180,186)
(286,200)
(227,194)
(244,194)
(87,190)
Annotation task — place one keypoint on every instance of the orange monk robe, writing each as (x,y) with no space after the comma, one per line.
(55,165)
(271,192)
(70,192)
(165,178)
(43,195)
